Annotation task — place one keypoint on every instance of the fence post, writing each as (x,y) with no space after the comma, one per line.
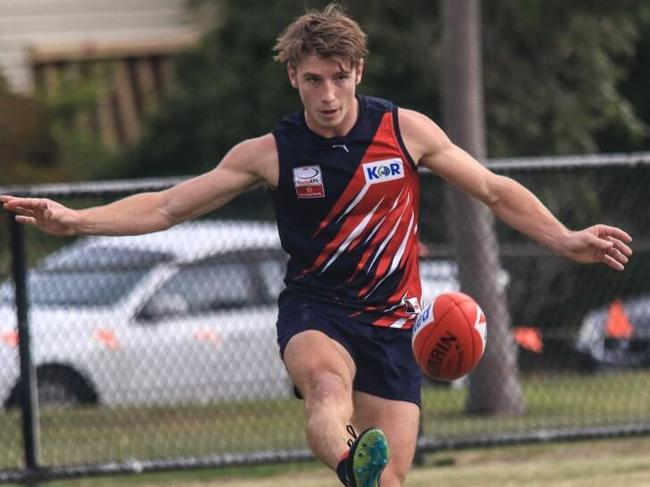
(28,390)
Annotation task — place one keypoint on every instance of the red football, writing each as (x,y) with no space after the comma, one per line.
(449,336)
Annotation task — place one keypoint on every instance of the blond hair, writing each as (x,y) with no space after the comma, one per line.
(328,34)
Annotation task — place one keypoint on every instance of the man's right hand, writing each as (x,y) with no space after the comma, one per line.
(46,215)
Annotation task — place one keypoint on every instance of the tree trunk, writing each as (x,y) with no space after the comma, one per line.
(494,385)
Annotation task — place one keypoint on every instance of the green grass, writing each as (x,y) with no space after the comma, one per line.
(552,401)
(602,463)
(101,435)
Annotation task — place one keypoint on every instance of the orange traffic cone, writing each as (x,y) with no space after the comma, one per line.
(618,323)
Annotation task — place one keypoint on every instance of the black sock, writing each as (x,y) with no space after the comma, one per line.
(340,471)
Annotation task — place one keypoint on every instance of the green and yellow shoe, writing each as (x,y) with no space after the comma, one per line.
(369,454)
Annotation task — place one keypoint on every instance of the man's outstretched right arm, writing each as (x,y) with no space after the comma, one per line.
(246,165)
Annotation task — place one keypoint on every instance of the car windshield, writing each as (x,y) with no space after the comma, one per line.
(86,276)
(84,258)
(75,288)
(220,283)
(211,286)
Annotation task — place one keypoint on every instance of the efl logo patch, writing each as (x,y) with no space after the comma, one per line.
(382,171)
(308,181)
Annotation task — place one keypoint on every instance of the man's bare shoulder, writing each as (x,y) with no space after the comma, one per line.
(415,124)
(263,147)
(259,155)
(422,136)
(408,116)
(263,142)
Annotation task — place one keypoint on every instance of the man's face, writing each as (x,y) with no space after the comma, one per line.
(327,90)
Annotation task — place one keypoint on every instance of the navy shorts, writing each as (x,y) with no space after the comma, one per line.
(383,356)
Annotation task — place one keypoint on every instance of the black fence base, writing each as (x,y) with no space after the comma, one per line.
(425,445)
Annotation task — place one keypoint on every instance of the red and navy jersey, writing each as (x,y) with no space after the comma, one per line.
(347,212)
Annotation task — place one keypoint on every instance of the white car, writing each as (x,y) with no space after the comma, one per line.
(616,335)
(185,315)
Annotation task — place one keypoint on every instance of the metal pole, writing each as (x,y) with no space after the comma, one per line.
(28,390)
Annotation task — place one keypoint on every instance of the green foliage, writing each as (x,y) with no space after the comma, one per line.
(70,110)
(26,146)
(553,76)
(230,88)
(50,138)
(553,71)
(635,88)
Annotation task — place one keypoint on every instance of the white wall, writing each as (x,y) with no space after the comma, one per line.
(30,23)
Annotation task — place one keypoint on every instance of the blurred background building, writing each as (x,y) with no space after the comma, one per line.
(127,44)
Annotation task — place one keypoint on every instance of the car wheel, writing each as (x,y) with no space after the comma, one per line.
(60,387)
(63,387)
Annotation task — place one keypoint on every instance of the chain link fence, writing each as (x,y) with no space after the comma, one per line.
(158,351)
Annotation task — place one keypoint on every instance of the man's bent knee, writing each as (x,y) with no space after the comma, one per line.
(327,387)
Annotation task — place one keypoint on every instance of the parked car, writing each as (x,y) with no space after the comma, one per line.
(184,315)
(177,316)
(617,335)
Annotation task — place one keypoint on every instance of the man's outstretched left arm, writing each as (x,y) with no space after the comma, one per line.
(509,200)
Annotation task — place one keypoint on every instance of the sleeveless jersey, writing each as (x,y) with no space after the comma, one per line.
(347,212)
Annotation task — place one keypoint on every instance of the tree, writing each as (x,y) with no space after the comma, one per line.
(26,143)
(553,76)
(40,142)
(494,385)
(230,88)
(554,72)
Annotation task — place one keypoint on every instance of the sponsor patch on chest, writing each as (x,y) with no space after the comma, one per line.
(308,181)
(382,171)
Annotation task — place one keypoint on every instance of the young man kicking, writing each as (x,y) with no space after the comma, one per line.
(343,175)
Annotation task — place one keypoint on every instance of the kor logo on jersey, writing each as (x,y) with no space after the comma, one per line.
(382,171)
